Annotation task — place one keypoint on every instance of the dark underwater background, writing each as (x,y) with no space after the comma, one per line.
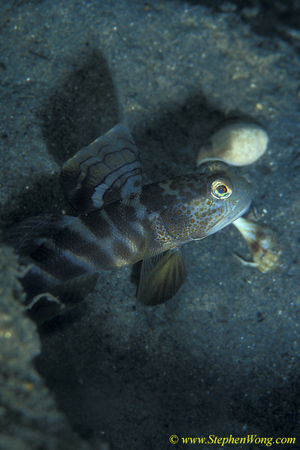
(222,357)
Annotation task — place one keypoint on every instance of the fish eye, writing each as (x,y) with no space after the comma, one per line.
(221,188)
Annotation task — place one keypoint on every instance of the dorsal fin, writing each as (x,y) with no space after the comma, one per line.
(106,171)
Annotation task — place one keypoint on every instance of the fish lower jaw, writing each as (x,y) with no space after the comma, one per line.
(226,221)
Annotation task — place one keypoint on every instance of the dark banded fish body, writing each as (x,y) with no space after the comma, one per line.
(121,222)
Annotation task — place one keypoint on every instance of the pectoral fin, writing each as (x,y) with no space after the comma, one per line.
(161,277)
(106,171)
(61,298)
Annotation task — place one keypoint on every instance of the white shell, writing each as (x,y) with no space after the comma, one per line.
(262,243)
(238,144)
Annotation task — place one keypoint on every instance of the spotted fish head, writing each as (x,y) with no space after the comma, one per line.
(217,197)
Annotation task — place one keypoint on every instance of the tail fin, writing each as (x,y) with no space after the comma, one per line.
(29,234)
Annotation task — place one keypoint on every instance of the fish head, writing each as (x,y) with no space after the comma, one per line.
(213,198)
(228,196)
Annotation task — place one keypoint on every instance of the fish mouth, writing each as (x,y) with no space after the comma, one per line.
(241,213)
(228,219)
